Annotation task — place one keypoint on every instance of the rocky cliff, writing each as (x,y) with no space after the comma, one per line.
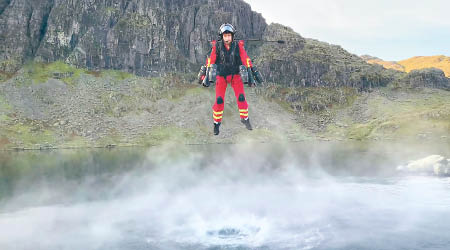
(428,77)
(139,36)
(308,62)
(153,38)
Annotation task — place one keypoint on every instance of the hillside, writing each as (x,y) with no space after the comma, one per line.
(386,64)
(417,62)
(57,105)
(421,62)
(77,74)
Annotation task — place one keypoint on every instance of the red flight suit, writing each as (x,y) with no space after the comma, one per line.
(233,79)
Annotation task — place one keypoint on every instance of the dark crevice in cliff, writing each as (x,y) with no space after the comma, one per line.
(73,42)
(44,25)
(193,29)
(28,31)
(3,5)
(195,17)
(127,2)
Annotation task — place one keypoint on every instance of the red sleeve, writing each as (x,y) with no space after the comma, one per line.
(212,58)
(244,57)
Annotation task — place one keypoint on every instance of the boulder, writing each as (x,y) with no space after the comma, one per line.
(433,165)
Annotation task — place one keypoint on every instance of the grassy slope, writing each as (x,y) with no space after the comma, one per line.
(417,62)
(420,62)
(278,113)
(398,115)
(387,64)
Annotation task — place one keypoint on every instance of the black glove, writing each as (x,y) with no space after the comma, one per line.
(251,80)
(206,83)
(257,75)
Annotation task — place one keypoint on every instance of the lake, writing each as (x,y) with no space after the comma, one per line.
(308,195)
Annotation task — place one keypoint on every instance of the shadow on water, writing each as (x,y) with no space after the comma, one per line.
(321,195)
(64,170)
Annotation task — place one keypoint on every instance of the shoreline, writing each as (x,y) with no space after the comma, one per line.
(166,142)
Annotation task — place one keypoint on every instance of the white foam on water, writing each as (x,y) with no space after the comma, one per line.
(240,202)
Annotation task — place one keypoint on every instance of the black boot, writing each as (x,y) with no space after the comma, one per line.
(216,128)
(247,123)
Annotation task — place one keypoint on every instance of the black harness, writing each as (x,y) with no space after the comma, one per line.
(227,61)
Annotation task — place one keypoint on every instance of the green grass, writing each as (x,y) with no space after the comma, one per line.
(75,141)
(4,105)
(116,74)
(27,136)
(5,108)
(160,135)
(4,76)
(425,113)
(10,65)
(310,99)
(41,72)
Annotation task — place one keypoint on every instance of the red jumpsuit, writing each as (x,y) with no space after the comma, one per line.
(236,84)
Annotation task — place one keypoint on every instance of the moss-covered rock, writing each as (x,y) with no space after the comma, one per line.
(428,77)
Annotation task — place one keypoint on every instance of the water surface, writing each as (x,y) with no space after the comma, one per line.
(244,196)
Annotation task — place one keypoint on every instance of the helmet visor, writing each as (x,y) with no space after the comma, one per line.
(226,29)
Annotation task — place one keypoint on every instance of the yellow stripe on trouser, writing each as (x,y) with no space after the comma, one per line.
(218,113)
(243,112)
(217,117)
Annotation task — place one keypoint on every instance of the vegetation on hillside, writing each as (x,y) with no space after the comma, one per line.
(421,62)
(75,107)
(413,63)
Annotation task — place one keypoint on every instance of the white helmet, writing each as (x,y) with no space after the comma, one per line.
(226,28)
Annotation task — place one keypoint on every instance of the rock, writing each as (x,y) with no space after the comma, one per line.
(307,62)
(138,36)
(442,170)
(433,164)
(429,77)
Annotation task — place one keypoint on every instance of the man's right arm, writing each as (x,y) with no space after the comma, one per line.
(212,58)
(204,71)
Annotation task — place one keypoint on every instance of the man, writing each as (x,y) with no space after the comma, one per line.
(229,58)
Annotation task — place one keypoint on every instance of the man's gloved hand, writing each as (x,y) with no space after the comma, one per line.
(205,83)
(257,75)
(251,80)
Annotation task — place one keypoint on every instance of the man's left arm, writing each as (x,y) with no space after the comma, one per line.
(253,75)
(244,57)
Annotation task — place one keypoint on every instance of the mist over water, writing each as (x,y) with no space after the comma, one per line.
(244,196)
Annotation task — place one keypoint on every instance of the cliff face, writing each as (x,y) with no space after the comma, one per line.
(159,36)
(308,62)
(139,36)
